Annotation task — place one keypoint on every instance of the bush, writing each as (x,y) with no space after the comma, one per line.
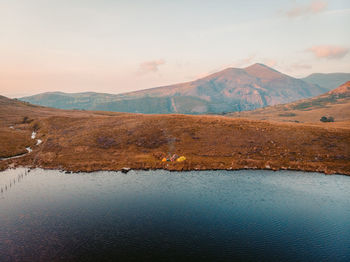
(26,120)
(287,114)
(327,119)
(36,126)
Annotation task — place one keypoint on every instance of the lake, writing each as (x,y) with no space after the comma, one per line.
(174,216)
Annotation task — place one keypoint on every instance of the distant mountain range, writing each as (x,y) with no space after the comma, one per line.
(233,89)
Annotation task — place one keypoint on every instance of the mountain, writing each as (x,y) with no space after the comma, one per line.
(233,89)
(327,81)
(335,103)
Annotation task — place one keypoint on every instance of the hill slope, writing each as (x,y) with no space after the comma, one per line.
(335,103)
(86,141)
(232,89)
(327,81)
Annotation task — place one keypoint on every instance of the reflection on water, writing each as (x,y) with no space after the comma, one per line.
(160,215)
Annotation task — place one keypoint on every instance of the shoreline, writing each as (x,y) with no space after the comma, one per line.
(141,142)
(127,170)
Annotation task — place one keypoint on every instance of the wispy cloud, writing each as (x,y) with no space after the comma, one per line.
(151,66)
(329,51)
(313,7)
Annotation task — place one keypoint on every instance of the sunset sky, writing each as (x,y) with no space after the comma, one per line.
(115,46)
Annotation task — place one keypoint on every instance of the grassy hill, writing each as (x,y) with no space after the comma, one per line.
(335,103)
(327,81)
(95,140)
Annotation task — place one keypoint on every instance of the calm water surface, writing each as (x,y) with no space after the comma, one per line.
(172,216)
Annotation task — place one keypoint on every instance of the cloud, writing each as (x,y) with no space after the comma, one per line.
(151,66)
(328,51)
(314,7)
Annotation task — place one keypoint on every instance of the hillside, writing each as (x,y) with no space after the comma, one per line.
(86,141)
(327,81)
(232,89)
(335,103)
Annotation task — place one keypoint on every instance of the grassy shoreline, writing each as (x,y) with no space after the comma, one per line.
(87,141)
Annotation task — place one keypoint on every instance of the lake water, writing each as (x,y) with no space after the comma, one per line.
(173,216)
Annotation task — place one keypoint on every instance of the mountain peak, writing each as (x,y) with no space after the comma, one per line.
(259,66)
(257,70)
(263,71)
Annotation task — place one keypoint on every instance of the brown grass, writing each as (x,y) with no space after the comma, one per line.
(304,111)
(14,142)
(88,141)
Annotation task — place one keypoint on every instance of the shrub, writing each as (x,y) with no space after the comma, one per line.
(287,114)
(327,119)
(26,120)
(36,126)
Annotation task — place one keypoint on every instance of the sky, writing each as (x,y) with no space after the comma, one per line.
(117,46)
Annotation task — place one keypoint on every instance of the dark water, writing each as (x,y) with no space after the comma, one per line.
(163,216)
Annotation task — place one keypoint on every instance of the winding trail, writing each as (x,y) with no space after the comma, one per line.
(13,157)
(38,142)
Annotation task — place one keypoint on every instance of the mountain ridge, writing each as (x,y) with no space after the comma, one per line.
(231,89)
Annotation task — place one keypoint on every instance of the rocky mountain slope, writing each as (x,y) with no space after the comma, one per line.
(232,89)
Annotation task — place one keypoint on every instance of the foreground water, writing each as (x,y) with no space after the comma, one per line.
(160,215)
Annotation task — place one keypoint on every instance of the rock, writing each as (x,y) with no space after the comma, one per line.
(29,149)
(126,170)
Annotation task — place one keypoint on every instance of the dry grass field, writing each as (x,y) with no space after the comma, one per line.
(335,103)
(88,141)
